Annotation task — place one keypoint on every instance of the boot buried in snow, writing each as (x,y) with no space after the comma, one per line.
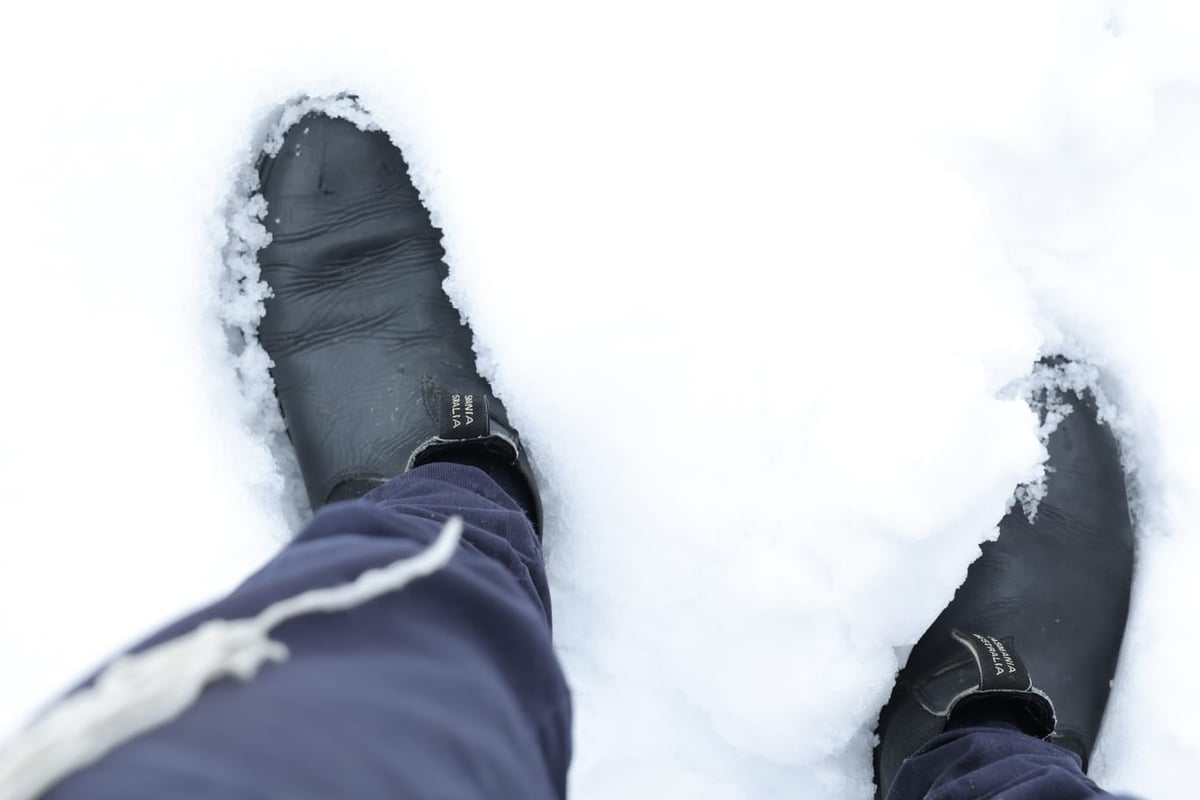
(373,368)
(1036,628)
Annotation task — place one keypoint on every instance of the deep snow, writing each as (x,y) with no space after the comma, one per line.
(755,282)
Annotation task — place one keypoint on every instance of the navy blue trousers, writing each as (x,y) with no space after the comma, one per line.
(992,760)
(448,688)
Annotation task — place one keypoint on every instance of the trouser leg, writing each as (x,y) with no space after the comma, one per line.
(992,760)
(446,688)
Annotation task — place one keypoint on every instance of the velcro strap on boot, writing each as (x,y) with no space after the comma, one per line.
(461,419)
(1002,673)
(458,416)
(1000,668)
(463,416)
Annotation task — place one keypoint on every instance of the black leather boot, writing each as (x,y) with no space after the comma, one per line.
(1036,628)
(373,366)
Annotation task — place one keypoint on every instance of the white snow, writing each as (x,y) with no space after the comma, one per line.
(755,280)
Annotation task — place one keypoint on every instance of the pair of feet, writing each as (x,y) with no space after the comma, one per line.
(375,374)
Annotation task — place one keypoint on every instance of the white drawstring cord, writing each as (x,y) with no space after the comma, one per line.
(137,693)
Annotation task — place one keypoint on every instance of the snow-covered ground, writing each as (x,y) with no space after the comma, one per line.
(752,278)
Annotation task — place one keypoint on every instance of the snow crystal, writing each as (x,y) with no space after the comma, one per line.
(341,106)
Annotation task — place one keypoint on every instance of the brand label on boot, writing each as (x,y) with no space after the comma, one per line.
(464,416)
(1000,668)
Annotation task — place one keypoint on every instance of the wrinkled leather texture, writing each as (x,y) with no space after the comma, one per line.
(1060,586)
(358,321)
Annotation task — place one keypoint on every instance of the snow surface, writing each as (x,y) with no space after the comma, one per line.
(755,280)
